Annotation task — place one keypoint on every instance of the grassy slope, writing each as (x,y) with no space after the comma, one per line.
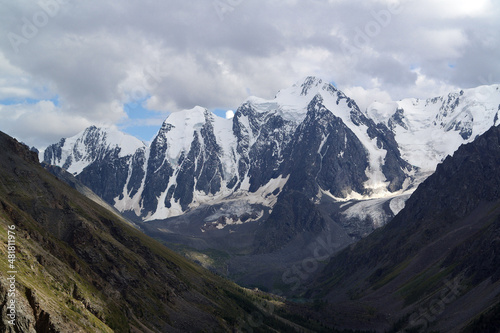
(82,269)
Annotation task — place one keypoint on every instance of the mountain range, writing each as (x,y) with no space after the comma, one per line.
(72,265)
(435,267)
(260,188)
(311,138)
(384,219)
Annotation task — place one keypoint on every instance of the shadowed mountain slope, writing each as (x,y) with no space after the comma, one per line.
(436,265)
(79,268)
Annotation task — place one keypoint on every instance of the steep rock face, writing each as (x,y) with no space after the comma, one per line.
(384,168)
(107,175)
(209,172)
(100,157)
(245,127)
(53,154)
(183,191)
(262,138)
(136,173)
(200,169)
(81,269)
(395,168)
(447,231)
(158,171)
(262,144)
(184,162)
(326,155)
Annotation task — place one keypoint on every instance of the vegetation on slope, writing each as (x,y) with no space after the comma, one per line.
(81,269)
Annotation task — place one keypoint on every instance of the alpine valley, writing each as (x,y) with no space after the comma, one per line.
(307,172)
(71,265)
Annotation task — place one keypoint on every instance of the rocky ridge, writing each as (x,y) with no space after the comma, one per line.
(79,268)
(435,266)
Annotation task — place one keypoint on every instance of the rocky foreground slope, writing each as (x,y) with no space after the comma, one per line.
(79,268)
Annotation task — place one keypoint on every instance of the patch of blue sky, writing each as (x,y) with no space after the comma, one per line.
(141,122)
(136,110)
(145,133)
(220,112)
(55,100)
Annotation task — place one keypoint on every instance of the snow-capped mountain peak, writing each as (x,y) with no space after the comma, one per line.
(194,117)
(93,143)
(311,138)
(178,130)
(427,130)
(291,103)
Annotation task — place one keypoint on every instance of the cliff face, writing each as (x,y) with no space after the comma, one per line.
(78,268)
(437,257)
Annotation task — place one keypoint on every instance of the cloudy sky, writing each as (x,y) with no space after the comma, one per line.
(67,64)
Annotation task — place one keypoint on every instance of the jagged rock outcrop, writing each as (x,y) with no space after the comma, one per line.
(440,249)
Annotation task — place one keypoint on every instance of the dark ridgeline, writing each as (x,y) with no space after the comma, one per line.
(82,268)
(436,265)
